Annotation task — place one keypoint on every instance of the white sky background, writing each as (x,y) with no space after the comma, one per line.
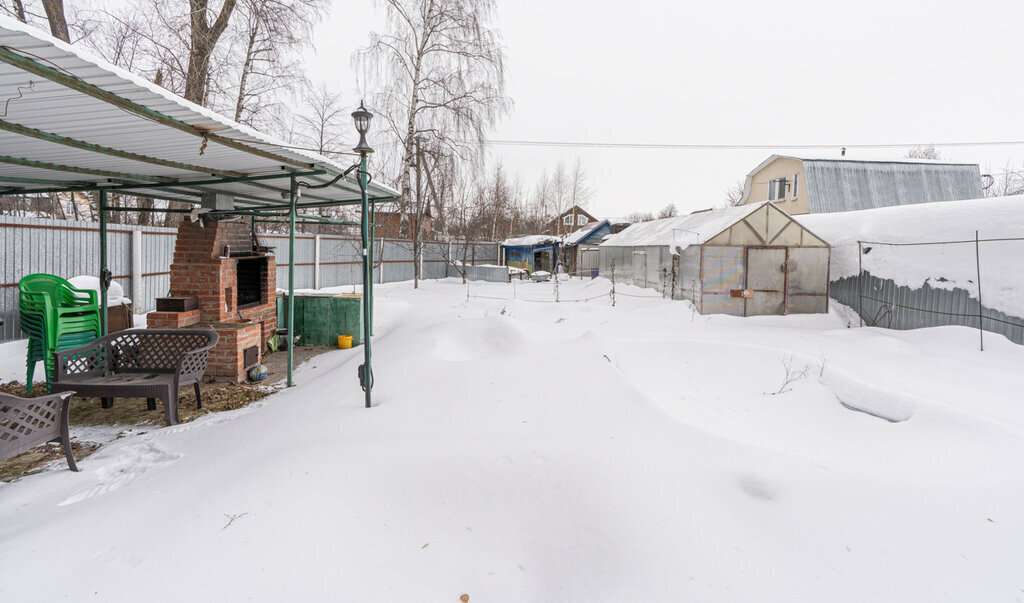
(775,73)
(732,73)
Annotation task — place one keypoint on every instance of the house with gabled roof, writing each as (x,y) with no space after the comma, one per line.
(814,185)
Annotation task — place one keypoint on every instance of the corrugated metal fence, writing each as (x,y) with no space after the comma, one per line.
(67,249)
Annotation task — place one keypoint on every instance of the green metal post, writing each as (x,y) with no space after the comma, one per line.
(367,280)
(373,229)
(291,279)
(103,262)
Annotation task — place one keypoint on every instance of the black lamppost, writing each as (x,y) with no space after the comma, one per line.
(362,118)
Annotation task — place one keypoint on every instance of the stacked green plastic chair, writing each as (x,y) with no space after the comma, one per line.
(55,316)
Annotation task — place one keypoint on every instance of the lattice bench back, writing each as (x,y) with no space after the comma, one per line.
(140,351)
(157,351)
(25,423)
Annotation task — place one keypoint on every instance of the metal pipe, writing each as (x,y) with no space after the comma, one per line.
(981,318)
(860,286)
(291,280)
(137,272)
(164,182)
(103,262)
(367,282)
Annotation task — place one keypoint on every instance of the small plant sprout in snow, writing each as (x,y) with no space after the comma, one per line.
(792,375)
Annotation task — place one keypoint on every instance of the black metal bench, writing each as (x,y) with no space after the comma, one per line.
(137,363)
(28,422)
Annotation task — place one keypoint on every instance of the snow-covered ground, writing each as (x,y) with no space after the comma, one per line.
(526,451)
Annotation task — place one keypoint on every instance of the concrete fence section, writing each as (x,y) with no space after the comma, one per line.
(140,259)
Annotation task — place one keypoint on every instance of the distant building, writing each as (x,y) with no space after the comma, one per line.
(805,185)
(569,221)
(531,252)
(391,223)
(581,245)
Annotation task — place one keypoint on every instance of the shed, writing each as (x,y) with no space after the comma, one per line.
(579,248)
(746,260)
(531,252)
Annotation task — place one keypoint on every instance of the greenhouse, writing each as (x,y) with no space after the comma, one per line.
(745,261)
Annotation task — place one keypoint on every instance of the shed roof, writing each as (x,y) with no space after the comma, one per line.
(578,235)
(529,240)
(75,122)
(682,231)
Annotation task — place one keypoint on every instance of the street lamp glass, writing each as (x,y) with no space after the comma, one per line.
(362,118)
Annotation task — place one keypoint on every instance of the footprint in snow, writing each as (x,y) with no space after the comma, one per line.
(129,464)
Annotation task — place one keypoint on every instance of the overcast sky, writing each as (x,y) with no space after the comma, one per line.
(772,73)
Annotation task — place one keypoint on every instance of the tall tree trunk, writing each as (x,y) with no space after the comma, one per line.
(203,39)
(246,68)
(19,11)
(55,15)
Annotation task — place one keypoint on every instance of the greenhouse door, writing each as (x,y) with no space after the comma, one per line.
(766,278)
(640,268)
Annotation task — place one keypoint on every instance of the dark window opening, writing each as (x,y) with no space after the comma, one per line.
(251,273)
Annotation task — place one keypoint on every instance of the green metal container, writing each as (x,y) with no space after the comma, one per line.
(320,318)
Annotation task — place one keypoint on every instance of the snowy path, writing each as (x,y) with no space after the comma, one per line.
(569,452)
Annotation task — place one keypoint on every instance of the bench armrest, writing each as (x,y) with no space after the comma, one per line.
(192,365)
(91,359)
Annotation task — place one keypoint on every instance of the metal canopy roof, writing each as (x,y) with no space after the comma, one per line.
(70,121)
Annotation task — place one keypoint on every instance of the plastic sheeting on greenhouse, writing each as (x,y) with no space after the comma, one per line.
(745,261)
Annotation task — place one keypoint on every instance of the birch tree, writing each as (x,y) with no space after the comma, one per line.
(438,70)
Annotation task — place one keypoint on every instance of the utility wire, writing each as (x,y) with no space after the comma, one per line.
(710,147)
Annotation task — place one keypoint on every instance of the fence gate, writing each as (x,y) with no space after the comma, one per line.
(590,259)
(766,277)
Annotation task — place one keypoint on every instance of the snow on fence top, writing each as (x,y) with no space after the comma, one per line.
(681,231)
(529,240)
(948,266)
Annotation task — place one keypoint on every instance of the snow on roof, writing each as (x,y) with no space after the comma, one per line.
(578,235)
(941,266)
(682,231)
(851,159)
(527,240)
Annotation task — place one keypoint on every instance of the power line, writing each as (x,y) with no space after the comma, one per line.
(712,147)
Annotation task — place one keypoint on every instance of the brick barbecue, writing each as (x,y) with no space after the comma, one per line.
(235,283)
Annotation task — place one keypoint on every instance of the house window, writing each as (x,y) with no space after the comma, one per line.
(567,220)
(777,189)
(796,186)
(581,220)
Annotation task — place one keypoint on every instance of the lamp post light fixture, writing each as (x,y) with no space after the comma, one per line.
(362,118)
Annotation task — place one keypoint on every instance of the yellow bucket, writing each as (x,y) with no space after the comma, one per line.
(345,342)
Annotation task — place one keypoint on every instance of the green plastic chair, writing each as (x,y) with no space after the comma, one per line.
(55,316)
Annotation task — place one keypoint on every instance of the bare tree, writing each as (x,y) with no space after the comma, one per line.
(1008,182)
(734,193)
(55,15)
(19,10)
(270,33)
(924,152)
(669,211)
(439,68)
(639,216)
(203,36)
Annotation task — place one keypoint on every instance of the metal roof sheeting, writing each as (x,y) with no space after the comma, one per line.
(60,98)
(834,186)
(848,183)
(691,229)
